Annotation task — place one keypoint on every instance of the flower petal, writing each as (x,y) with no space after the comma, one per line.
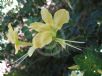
(10,31)
(46,16)
(17,48)
(42,39)
(19,44)
(60,17)
(39,27)
(12,38)
(24,44)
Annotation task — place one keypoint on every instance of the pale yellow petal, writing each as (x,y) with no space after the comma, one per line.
(17,48)
(11,35)
(60,17)
(10,29)
(24,44)
(39,27)
(42,39)
(10,38)
(15,36)
(46,16)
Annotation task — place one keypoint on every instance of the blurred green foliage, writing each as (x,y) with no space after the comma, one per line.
(90,62)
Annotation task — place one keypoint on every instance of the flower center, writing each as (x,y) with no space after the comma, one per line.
(53,32)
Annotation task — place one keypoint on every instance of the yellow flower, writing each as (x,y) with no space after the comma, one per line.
(47,30)
(13,38)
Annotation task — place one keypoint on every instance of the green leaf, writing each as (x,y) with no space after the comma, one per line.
(89,61)
(90,73)
(74,67)
(27,33)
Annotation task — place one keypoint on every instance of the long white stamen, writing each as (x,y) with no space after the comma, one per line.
(18,61)
(75,41)
(73,46)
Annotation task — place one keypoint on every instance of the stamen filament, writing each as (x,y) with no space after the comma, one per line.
(75,41)
(18,61)
(73,46)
